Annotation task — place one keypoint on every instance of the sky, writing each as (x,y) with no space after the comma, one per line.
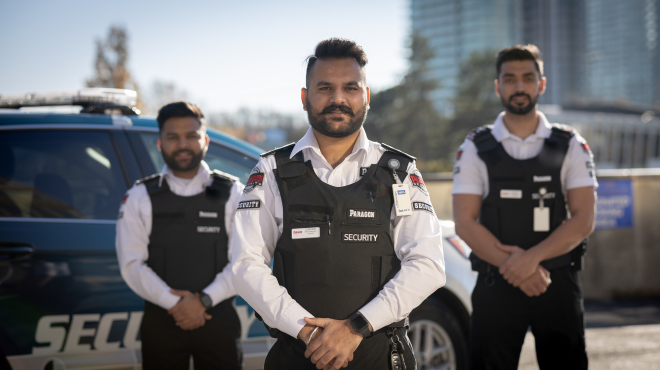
(224,54)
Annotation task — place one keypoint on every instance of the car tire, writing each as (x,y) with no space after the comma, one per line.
(448,348)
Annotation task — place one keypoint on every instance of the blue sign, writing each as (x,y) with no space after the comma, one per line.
(615,204)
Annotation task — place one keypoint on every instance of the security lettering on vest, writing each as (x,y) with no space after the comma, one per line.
(203,214)
(362,214)
(542,178)
(421,206)
(359,238)
(249,204)
(208,229)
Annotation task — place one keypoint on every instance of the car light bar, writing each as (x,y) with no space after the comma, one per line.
(85,97)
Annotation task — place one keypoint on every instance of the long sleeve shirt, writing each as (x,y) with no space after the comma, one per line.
(134,228)
(417,243)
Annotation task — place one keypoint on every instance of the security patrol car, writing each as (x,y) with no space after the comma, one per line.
(63,303)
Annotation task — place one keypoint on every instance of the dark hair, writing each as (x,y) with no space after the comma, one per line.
(520,52)
(336,48)
(179,109)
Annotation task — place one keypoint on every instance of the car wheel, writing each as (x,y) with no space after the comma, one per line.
(437,338)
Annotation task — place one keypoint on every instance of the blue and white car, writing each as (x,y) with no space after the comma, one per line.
(63,303)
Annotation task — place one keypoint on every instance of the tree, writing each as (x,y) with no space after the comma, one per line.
(475,102)
(404,115)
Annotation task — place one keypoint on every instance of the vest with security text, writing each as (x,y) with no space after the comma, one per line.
(188,241)
(336,251)
(517,186)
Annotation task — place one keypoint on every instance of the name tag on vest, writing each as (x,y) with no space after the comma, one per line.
(542,178)
(203,214)
(306,233)
(208,229)
(510,194)
(359,238)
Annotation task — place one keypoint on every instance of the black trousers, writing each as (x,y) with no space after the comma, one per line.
(502,314)
(216,345)
(289,353)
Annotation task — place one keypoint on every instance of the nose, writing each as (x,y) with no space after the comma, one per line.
(520,86)
(338,97)
(182,143)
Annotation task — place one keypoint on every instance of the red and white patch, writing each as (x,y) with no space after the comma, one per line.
(587,149)
(255,179)
(123,200)
(459,154)
(418,182)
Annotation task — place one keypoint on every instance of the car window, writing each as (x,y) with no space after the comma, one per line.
(218,157)
(59,174)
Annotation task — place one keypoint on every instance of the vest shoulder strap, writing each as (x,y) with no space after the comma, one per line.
(152,183)
(287,166)
(282,148)
(483,139)
(397,151)
(221,185)
(562,133)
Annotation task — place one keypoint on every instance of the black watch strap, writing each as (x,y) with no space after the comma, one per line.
(207,302)
(360,324)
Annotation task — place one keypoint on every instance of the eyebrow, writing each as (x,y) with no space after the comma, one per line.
(524,75)
(349,83)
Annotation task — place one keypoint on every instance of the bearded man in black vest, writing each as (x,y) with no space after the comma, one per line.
(172,245)
(349,227)
(524,201)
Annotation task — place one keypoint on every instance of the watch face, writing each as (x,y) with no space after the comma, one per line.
(359,322)
(206,301)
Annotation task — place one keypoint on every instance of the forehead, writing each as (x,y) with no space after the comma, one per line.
(182,124)
(518,67)
(336,70)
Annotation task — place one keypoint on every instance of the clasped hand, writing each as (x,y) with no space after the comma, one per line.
(523,271)
(333,348)
(189,313)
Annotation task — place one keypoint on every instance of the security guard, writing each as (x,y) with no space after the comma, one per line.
(172,245)
(350,229)
(524,200)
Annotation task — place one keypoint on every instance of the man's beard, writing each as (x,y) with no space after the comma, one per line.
(174,165)
(521,111)
(321,123)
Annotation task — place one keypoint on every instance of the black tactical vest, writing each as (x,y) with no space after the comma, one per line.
(188,241)
(338,272)
(514,185)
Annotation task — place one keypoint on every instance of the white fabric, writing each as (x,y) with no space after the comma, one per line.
(417,243)
(471,174)
(134,228)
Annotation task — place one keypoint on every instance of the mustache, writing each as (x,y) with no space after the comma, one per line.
(342,108)
(520,94)
(183,151)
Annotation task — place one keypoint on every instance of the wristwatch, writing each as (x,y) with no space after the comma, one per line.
(207,302)
(360,324)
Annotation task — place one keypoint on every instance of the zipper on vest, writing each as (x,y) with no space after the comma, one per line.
(361,223)
(329,225)
(301,220)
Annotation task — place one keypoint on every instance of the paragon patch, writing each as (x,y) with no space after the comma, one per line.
(363,170)
(542,178)
(203,214)
(249,204)
(359,238)
(208,229)
(369,214)
(255,179)
(418,182)
(421,206)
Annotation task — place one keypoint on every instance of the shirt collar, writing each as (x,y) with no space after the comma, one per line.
(309,141)
(543,130)
(203,173)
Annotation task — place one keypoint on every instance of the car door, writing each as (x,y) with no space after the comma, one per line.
(62,299)
(255,338)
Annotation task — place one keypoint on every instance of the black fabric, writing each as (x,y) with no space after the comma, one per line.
(333,276)
(502,314)
(180,242)
(511,220)
(216,345)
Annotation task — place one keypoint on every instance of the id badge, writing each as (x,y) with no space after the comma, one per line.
(402,199)
(541,219)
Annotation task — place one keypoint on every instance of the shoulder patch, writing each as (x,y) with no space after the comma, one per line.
(256,179)
(391,149)
(421,206)
(459,155)
(287,146)
(143,180)
(477,131)
(418,182)
(224,175)
(249,204)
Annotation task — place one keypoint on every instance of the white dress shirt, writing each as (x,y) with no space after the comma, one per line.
(471,174)
(134,228)
(417,243)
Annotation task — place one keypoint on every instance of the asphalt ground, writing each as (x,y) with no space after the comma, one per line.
(621,335)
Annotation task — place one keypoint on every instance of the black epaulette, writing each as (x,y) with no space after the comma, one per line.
(477,132)
(564,130)
(391,149)
(223,175)
(143,180)
(287,146)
